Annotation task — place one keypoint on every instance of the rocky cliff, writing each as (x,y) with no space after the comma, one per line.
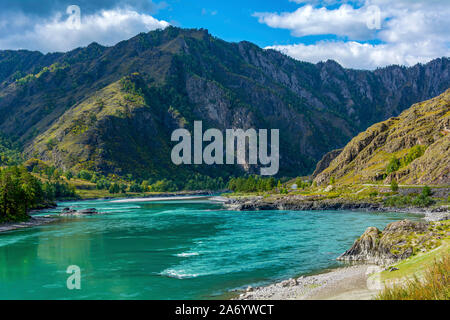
(412,148)
(325,161)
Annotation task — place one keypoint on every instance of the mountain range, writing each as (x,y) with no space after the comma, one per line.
(113,109)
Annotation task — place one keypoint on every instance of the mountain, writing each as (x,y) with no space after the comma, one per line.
(413,148)
(113,109)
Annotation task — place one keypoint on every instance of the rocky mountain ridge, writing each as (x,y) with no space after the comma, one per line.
(112,109)
(412,148)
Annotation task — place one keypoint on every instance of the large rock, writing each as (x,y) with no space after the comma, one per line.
(396,242)
(72,212)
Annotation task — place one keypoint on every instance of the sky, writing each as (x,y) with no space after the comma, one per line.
(362,34)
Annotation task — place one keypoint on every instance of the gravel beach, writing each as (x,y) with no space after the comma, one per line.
(348,283)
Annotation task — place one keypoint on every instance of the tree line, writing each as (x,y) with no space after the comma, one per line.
(20,192)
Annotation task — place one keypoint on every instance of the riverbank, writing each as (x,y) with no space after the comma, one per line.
(302,203)
(347,283)
(105,195)
(32,222)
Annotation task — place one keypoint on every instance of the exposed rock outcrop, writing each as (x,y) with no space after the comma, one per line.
(83,212)
(419,139)
(325,161)
(398,241)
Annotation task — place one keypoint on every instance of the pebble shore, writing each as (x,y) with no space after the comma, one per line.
(344,283)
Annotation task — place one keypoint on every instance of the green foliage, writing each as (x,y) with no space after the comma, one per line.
(202,182)
(422,201)
(332,180)
(393,165)
(415,152)
(302,184)
(252,184)
(409,200)
(133,93)
(135,188)
(163,186)
(51,143)
(85,175)
(145,186)
(394,185)
(426,191)
(69,175)
(58,190)
(9,152)
(36,165)
(20,191)
(103,184)
(114,188)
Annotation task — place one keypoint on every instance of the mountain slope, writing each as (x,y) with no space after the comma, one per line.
(413,148)
(187,75)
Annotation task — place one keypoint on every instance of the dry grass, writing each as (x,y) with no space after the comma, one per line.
(435,284)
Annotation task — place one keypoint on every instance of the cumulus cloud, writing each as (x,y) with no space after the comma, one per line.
(409,32)
(60,33)
(357,55)
(307,20)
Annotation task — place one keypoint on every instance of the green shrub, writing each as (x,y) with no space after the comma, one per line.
(426,191)
(85,175)
(394,185)
(114,188)
(393,165)
(413,154)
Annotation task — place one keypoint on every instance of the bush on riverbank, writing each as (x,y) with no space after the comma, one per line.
(422,200)
(434,286)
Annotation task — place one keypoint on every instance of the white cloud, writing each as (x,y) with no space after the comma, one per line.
(357,55)
(307,20)
(106,27)
(411,31)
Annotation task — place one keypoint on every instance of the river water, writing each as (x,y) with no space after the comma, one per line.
(193,249)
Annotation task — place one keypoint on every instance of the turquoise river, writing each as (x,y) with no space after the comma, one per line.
(173,249)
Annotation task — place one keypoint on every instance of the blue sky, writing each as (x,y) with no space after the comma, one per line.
(234,20)
(362,34)
(231,20)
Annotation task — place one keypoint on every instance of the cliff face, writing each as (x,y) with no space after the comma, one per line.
(398,241)
(411,148)
(325,161)
(185,75)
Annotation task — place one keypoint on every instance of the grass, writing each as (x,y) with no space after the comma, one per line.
(415,265)
(434,284)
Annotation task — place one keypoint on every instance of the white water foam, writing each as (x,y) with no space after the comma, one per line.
(187,254)
(178,274)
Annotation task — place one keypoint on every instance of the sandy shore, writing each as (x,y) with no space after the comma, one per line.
(33,222)
(349,283)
